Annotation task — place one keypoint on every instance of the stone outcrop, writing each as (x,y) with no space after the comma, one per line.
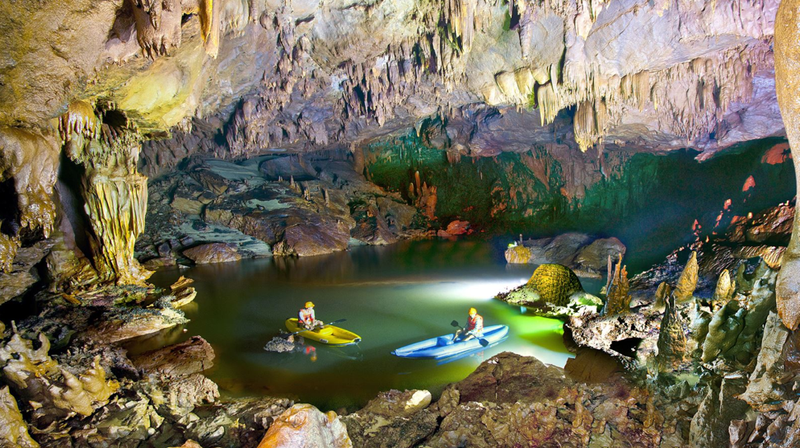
(552,291)
(393,419)
(212,253)
(586,255)
(282,206)
(57,392)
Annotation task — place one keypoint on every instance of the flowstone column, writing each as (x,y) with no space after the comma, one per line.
(787,85)
(114,193)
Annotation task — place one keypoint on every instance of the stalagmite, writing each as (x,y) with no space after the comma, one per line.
(687,281)
(662,294)
(618,299)
(724,290)
(671,338)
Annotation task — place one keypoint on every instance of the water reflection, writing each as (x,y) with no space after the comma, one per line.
(390,296)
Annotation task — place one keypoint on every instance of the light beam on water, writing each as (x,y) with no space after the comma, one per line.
(390,296)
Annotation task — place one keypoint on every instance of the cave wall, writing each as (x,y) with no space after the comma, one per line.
(236,78)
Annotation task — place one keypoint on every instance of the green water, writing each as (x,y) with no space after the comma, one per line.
(390,296)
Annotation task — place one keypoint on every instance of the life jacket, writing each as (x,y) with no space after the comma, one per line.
(306,315)
(475,323)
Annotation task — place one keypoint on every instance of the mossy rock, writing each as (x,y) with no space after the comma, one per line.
(555,283)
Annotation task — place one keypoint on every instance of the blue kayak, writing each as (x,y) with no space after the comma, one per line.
(443,346)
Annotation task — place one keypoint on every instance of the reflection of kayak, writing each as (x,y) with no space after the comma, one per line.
(443,346)
(329,334)
(472,352)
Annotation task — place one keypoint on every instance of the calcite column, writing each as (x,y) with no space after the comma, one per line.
(116,204)
(114,193)
(787,84)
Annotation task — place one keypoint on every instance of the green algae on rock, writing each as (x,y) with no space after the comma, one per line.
(552,291)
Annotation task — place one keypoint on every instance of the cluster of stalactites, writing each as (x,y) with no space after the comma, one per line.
(689,99)
(79,119)
(158,24)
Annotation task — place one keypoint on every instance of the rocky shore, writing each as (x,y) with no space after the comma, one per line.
(676,365)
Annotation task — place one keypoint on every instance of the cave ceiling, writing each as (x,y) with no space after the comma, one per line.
(239,77)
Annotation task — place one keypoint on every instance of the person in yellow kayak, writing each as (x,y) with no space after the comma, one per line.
(473,329)
(307,318)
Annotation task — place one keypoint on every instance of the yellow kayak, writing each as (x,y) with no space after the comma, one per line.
(329,334)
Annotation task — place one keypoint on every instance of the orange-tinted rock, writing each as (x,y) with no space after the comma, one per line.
(304,426)
(458,227)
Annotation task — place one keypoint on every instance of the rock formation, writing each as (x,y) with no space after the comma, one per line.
(301,128)
(787,86)
(618,298)
(114,193)
(582,253)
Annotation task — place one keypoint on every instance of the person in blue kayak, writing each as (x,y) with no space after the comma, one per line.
(307,318)
(473,329)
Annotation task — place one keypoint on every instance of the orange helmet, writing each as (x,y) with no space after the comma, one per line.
(309,304)
(472,311)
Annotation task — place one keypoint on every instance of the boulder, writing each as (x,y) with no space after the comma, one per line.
(587,255)
(399,215)
(22,276)
(518,254)
(593,259)
(553,291)
(192,356)
(554,283)
(458,227)
(304,426)
(212,253)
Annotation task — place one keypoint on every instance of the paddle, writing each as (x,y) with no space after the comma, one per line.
(312,329)
(482,341)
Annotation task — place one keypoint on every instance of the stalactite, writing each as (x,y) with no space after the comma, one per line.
(79,119)
(28,161)
(549,103)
